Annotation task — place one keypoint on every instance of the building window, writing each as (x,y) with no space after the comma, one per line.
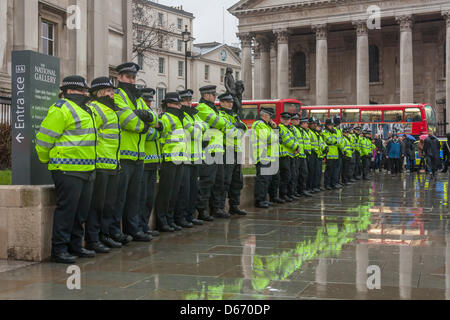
(206,72)
(48,38)
(374,64)
(222,75)
(161,66)
(180,45)
(160,94)
(141,61)
(299,69)
(180,68)
(180,24)
(160,41)
(160,19)
(139,13)
(237,76)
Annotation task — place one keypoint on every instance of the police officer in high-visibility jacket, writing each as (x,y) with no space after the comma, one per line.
(323,151)
(313,164)
(211,184)
(303,167)
(233,178)
(265,152)
(358,164)
(66,141)
(173,156)
(132,156)
(340,137)
(289,148)
(353,141)
(295,123)
(366,153)
(331,139)
(107,165)
(151,166)
(194,128)
(347,157)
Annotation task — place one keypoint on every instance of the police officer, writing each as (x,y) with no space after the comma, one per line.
(331,139)
(66,142)
(303,166)
(367,147)
(323,150)
(264,142)
(152,164)
(354,149)
(313,170)
(295,122)
(338,172)
(233,178)
(173,156)
(358,165)
(347,157)
(107,166)
(211,184)
(132,156)
(194,129)
(289,148)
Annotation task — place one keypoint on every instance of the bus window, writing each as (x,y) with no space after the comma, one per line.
(335,112)
(413,115)
(291,107)
(431,117)
(321,115)
(370,116)
(272,106)
(305,113)
(249,111)
(350,115)
(393,116)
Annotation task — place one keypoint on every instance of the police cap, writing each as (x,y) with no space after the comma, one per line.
(74,82)
(312,120)
(128,67)
(101,83)
(172,97)
(186,94)
(225,97)
(304,120)
(328,122)
(268,111)
(286,115)
(208,89)
(148,93)
(295,116)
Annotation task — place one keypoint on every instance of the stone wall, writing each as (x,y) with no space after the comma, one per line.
(26,220)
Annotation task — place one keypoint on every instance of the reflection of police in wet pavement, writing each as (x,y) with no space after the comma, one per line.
(303,164)
(66,141)
(262,139)
(233,178)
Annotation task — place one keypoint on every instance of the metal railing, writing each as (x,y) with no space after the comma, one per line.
(5,110)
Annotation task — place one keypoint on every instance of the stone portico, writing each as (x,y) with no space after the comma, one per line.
(331,52)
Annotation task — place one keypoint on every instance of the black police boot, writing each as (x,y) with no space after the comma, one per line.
(202,215)
(174,226)
(287,199)
(184,224)
(277,200)
(317,190)
(262,205)
(236,210)
(307,194)
(163,226)
(110,243)
(220,214)
(328,188)
(294,197)
(323,189)
(196,222)
(98,247)
(153,233)
(83,253)
(122,238)
(64,257)
(142,237)
(298,195)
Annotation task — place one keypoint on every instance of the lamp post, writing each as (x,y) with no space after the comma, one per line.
(186,35)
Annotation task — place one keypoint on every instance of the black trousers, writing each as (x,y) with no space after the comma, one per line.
(318,180)
(73,200)
(262,183)
(210,186)
(346,169)
(148,193)
(128,199)
(312,159)
(285,176)
(185,207)
(338,172)
(358,166)
(102,205)
(302,175)
(170,177)
(366,166)
(233,184)
(293,185)
(395,165)
(330,179)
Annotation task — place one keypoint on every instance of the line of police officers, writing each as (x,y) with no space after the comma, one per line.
(300,146)
(105,147)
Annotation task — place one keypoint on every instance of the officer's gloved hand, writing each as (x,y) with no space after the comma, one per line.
(160,126)
(144,115)
(240,125)
(326,150)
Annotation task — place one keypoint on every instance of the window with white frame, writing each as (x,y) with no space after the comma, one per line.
(180,68)
(180,45)
(48,38)
(161,65)
(160,19)
(180,23)
(237,76)
(222,75)
(206,72)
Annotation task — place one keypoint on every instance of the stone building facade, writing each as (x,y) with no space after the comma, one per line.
(102,41)
(326,52)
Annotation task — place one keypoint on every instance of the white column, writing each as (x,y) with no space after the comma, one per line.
(405,271)
(26,25)
(265,85)
(283,64)
(362,263)
(406,59)
(246,65)
(97,39)
(257,73)
(127,21)
(274,70)
(447,71)
(362,63)
(321,64)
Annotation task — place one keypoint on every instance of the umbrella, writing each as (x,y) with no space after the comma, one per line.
(410,137)
(423,137)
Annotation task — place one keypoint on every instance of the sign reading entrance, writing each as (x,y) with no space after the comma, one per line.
(35,87)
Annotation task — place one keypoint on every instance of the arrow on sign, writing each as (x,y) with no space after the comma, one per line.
(19,138)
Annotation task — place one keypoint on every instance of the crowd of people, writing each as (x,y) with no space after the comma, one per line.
(105,147)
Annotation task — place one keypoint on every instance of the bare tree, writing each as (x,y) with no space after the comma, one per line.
(151,34)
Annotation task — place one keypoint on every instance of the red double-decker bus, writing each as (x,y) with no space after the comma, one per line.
(413,119)
(250,109)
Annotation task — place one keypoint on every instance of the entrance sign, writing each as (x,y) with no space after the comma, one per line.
(35,87)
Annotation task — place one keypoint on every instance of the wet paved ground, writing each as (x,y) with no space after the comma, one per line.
(313,248)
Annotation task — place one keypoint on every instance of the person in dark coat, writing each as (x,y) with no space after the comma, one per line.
(446,152)
(432,150)
(379,153)
(408,151)
(394,152)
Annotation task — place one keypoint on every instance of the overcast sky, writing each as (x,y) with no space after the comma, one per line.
(208,22)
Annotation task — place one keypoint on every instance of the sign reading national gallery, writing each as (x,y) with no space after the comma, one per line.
(35,87)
